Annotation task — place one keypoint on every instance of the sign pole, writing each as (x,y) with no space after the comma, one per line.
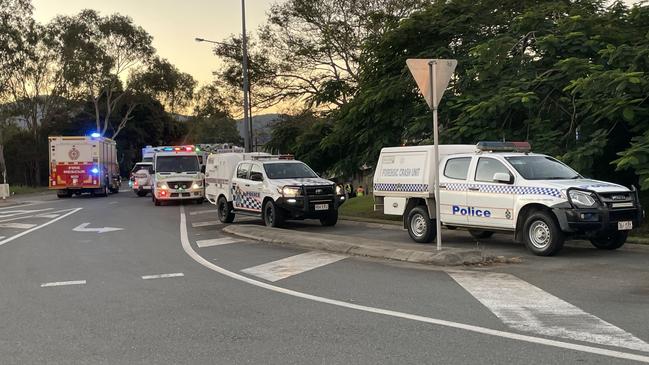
(432,68)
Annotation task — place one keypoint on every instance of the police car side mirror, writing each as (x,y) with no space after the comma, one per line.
(203,169)
(503,177)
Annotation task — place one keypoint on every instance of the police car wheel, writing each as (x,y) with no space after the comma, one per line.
(330,219)
(542,234)
(480,234)
(272,214)
(224,211)
(141,193)
(610,240)
(420,227)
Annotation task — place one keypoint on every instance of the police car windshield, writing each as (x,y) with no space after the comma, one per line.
(541,168)
(288,171)
(177,164)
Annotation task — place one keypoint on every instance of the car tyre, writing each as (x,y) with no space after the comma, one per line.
(542,234)
(479,234)
(610,240)
(141,193)
(156,201)
(272,214)
(199,201)
(421,228)
(330,219)
(224,211)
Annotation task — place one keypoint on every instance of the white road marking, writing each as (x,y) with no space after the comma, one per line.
(17,225)
(112,203)
(13,213)
(61,283)
(83,228)
(217,242)
(197,212)
(46,215)
(187,247)
(162,276)
(525,307)
(38,227)
(205,224)
(284,268)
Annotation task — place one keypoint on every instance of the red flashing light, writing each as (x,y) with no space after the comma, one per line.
(188,149)
(163,193)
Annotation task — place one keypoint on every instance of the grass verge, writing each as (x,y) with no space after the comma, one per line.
(21,189)
(363,207)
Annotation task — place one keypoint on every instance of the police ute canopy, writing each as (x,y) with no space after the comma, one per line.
(274,187)
(503,187)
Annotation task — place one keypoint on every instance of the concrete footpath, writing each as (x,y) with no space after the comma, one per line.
(415,253)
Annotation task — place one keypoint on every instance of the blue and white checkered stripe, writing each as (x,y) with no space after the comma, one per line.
(506,189)
(244,201)
(410,188)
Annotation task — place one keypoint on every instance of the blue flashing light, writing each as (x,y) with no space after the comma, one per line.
(168,149)
(95,135)
(94,170)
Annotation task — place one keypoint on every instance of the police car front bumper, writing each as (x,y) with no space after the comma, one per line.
(308,207)
(178,194)
(596,220)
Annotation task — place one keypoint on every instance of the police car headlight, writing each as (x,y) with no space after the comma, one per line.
(161,185)
(291,191)
(197,184)
(582,199)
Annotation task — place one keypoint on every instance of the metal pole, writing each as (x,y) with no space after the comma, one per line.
(432,67)
(244,46)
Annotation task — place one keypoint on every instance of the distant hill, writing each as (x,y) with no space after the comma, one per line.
(261,125)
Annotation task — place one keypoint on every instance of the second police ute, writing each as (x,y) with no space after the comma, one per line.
(274,187)
(501,186)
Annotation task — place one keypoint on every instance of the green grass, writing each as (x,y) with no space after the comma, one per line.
(21,189)
(363,207)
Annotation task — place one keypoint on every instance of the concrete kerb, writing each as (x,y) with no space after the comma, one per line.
(359,246)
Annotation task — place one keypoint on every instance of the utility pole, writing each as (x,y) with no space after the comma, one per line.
(247,122)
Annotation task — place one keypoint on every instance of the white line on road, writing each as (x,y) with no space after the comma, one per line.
(284,268)
(524,307)
(197,212)
(17,225)
(162,276)
(62,283)
(38,227)
(13,213)
(205,224)
(46,216)
(187,247)
(217,242)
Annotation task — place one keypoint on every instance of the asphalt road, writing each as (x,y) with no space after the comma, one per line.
(166,285)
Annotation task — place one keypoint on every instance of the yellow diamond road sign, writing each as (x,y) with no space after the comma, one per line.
(419,68)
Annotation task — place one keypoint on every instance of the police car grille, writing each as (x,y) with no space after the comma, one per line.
(319,190)
(623,200)
(180,184)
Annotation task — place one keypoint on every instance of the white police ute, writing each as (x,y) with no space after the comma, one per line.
(275,187)
(502,187)
(176,175)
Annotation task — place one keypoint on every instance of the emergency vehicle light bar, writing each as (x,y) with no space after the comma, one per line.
(504,146)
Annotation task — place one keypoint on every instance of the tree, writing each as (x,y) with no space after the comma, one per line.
(211,123)
(96,54)
(309,50)
(15,20)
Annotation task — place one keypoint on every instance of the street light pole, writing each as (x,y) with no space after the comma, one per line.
(247,122)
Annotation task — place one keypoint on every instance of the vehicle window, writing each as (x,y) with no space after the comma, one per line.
(541,168)
(487,167)
(457,168)
(177,164)
(256,171)
(288,171)
(139,167)
(242,171)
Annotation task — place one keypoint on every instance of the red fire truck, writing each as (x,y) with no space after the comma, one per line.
(84,164)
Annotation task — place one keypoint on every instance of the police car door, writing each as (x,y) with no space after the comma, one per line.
(256,188)
(240,186)
(490,203)
(452,189)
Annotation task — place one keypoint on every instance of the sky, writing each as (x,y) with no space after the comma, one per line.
(173,24)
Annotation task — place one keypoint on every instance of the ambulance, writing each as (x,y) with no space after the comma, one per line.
(177,175)
(272,187)
(503,187)
(83,164)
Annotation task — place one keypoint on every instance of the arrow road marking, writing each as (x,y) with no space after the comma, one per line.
(527,308)
(82,228)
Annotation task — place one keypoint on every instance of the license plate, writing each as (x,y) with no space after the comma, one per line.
(322,207)
(624,226)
